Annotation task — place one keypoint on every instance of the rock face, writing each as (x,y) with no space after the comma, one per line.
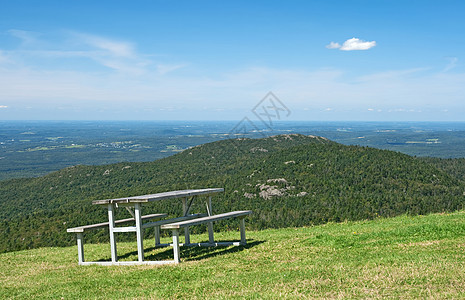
(268,191)
(277,180)
(258,149)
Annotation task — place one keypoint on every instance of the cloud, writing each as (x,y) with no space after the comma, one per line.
(66,49)
(139,81)
(452,64)
(111,47)
(333,45)
(352,44)
(27,37)
(357,44)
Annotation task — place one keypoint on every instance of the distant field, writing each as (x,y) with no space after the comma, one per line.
(34,148)
(402,257)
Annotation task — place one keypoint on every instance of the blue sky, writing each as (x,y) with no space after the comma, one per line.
(214,60)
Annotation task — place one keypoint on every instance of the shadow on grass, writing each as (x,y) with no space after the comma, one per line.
(190,253)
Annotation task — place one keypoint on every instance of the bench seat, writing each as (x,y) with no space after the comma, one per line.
(178,219)
(209,220)
(105,224)
(197,221)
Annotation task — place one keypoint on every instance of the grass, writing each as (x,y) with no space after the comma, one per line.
(403,257)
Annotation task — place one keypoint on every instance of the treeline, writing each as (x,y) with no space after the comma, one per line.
(287,180)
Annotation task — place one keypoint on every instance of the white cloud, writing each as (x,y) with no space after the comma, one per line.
(318,90)
(116,55)
(452,64)
(138,81)
(352,44)
(357,44)
(112,47)
(333,45)
(27,37)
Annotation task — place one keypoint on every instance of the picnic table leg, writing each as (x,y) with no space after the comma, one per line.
(242,225)
(211,238)
(111,225)
(139,231)
(187,239)
(157,236)
(176,245)
(80,245)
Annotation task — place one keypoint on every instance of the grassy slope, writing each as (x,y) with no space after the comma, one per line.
(406,257)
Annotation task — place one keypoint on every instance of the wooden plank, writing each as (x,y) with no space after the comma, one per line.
(167,221)
(208,244)
(125,229)
(127,263)
(161,196)
(218,217)
(105,224)
(214,244)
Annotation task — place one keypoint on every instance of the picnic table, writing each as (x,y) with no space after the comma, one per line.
(134,206)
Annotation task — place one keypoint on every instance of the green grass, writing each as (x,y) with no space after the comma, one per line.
(403,257)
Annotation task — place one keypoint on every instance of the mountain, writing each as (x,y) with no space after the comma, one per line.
(287,180)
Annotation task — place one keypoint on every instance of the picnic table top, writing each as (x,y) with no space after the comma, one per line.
(160,196)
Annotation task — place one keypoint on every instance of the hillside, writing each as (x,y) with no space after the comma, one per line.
(287,180)
(402,257)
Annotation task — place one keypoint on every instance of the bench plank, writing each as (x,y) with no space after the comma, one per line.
(104,224)
(167,221)
(228,215)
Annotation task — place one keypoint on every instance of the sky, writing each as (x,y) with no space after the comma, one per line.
(217,60)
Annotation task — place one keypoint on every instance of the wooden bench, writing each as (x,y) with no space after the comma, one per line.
(208,219)
(157,225)
(80,230)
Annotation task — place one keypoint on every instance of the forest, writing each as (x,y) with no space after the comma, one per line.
(289,180)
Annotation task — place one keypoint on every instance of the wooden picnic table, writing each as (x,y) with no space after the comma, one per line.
(136,202)
(134,206)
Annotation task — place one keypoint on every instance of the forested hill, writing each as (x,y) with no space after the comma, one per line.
(287,180)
